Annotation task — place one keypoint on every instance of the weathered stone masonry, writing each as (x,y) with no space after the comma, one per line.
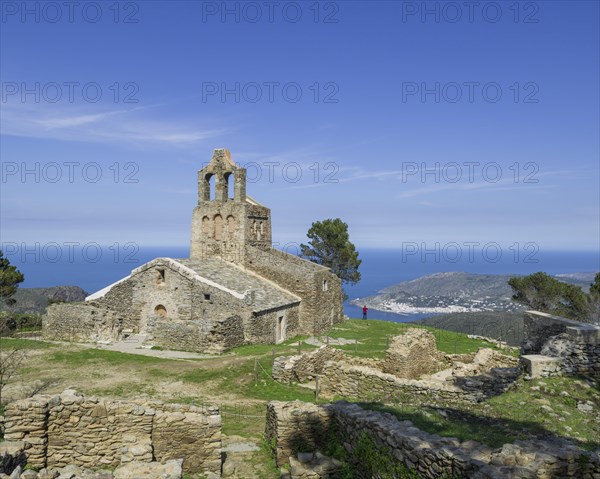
(84,431)
(557,346)
(295,426)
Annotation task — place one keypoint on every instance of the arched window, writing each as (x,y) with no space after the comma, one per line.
(206,225)
(208,188)
(229,189)
(230,226)
(160,310)
(218,227)
(211,188)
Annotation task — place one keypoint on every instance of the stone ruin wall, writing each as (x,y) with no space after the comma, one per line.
(78,322)
(295,426)
(304,367)
(461,378)
(340,379)
(557,346)
(413,354)
(71,429)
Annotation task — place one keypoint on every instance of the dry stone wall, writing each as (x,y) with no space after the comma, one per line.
(71,429)
(472,378)
(413,354)
(429,456)
(78,322)
(294,427)
(304,367)
(351,381)
(576,346)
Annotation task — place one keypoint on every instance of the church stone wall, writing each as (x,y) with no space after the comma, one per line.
(183,299)
(318,287)
(263,327)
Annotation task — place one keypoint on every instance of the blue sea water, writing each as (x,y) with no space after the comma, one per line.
(380,268)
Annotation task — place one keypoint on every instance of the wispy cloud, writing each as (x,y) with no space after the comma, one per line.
(76,123)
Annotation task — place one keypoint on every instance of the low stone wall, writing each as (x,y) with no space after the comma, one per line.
(430,456)
(577,345)
(79,322)
(296,427)
(71,429)
(352,381)
(304,367)
(472,377)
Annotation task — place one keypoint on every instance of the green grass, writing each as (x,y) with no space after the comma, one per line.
(86,356)
(373,335)
(516,414)
(24,343)
(285,348)
(523,404)
(240,378)
(474,425)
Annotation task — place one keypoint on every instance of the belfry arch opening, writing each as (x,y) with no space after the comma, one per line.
(207,187)
(228,180)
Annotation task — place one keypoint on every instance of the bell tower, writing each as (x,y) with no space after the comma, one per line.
(225,221)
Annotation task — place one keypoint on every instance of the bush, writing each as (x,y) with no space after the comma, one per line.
(11,323)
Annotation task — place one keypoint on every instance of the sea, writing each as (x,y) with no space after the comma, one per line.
(97,267)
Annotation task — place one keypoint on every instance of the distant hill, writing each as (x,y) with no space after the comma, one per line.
(455,292)
(500,325)
(35,300)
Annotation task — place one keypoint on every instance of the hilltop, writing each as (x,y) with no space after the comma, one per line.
(35,300)
(455,292)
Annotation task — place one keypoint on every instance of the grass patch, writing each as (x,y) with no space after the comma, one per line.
(240,378)
(373,335)
(474,425)
(285,348)
(86,356)
(24,343)
(529,401)
(520,413)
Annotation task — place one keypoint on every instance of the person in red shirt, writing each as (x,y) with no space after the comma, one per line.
(365,309)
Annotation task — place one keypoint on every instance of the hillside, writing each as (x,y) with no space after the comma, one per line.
(500,325)
(35,300)
(455,292)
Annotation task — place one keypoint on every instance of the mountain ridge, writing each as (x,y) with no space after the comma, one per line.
(457,291)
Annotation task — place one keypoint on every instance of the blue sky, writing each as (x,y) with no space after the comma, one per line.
(411,127)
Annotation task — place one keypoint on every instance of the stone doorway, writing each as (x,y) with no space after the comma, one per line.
(280,329)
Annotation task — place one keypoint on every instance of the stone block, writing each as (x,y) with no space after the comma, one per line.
(537,365)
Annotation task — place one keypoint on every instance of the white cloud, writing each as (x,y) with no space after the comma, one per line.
(77,123)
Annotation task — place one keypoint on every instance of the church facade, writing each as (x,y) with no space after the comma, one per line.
(234,289)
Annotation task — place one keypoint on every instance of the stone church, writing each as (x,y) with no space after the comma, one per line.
(234,289)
